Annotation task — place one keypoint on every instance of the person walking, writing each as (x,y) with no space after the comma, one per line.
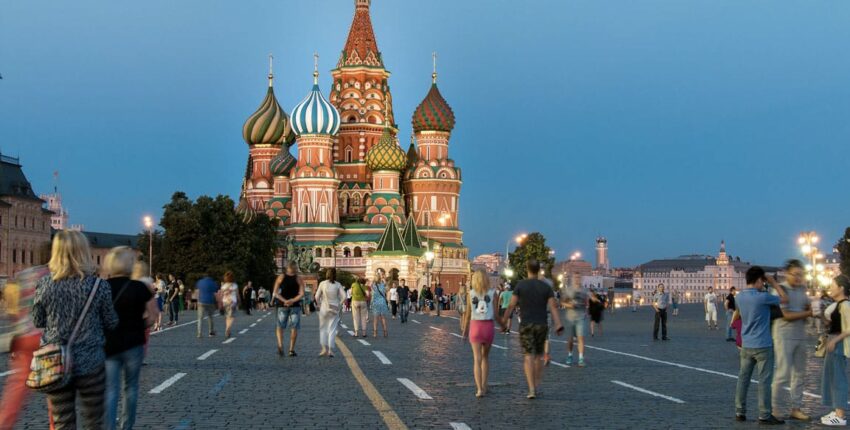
(394,299)
(125,346)
(595,308)
(834,379)
(414,300)
(229,301)
(790,343)
(21,338)
(428,300)
(757,345)
(58,305)
(533,297)
(172,294)
(359,309)
(575,299)
(329,298)
(207,290)
(287,294)
(675,299)
(477,318)
(660,300)
(505,301)
(403,301)
(729,305)
(379,306)
(710,307)
(248,297)
(438,297)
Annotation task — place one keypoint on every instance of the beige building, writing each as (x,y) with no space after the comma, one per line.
(101,243)
(572,267)
(490,263)
(24,222)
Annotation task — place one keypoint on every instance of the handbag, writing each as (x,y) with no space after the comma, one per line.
(151,311)
(820,348)
(52,364)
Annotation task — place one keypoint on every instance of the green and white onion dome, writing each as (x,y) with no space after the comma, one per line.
(315,115)
(269,124)
(386,154)
(282,163)
(244,211)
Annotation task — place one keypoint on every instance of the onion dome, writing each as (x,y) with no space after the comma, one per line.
(244,211)
(386,154)
(269,124)
(315,115)
(282,163)
(434,113)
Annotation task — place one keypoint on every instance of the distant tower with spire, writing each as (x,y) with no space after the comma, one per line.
(602,263)
(59,219)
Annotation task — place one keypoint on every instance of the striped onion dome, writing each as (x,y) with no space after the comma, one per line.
(434,113)
(282,163)
(386,154)
(315,115)
(244,211)
(269,124)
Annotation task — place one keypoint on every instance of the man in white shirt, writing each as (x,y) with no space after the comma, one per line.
(710,303)
(394,300)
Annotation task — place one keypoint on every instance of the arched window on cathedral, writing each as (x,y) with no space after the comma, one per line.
(348,154)
(328,253)
(373,119)
(352,118)
(346,252)
(358,252)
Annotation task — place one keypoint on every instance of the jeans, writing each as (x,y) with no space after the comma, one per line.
(750,359)
(834,380)
(173,310)
(660,318)
(208,310)
(405,309)
(130,361)
(730,334)
(790,370)
(359,313)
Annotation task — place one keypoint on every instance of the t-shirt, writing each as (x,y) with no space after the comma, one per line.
(403,293)
(754,307)
(358,294)
(797,302)
(710,299)
(229,293)
(393,294)
(130,306)
(576,295)
(438,292)
(505,299)
(730,302)
(533,296)
(661,299)
(207,289)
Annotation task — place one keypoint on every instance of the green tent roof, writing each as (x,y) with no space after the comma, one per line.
(411,236)
(391,239)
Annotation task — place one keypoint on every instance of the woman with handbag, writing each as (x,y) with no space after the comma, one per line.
(380,306)
(834,386)
(329,297)
(125,346)
(74,307)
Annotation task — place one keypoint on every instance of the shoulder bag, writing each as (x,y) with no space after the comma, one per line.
(52,364)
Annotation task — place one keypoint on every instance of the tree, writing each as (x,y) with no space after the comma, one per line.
(533,247)
(843,247)
(207,237)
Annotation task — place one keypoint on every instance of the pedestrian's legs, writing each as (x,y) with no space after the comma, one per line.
(663,323)
(783,350)
(15,392)
(744,375)
(485,365)
(91,389)
(324,325)
(654,327)
(334,325)
(132,369)
(798,373)
(476,367)
(729,332)
(170,307)
(358,309)
(176,311)
(764,363)
(210,311)
(200,313)
(62,404)
(113,387)
(834,382)
(529,363)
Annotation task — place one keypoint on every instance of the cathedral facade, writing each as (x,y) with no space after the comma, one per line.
(352,198)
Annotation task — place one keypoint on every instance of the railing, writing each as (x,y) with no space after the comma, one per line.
(341,261)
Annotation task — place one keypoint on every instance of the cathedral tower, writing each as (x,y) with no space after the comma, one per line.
(385,160)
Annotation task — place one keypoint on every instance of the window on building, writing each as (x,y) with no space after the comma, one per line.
(14,256)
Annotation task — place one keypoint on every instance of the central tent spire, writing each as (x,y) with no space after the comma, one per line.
(361,48)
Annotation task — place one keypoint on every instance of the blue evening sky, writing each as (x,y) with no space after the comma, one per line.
(664,125)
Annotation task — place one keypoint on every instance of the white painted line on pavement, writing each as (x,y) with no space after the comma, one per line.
(498,346)
(175,326)
(8,372)
(344,326)
(259,319)
(168,382)
(243,331)
(457,335)
(559,364)
(460,426)
(436,328)
(454,318)
(651,393)
(350,332)
(207,354)
(229,340)
(418,392)
(364,342)
(253,325)
(382,357)
(417,322)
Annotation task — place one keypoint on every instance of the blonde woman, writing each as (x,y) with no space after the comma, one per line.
(229,300)
(478,324)
(329,297)
(125,346)
(58,303)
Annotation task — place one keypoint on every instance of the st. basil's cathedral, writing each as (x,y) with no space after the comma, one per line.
(353,198)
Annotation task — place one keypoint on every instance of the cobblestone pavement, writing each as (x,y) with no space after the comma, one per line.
(631,381)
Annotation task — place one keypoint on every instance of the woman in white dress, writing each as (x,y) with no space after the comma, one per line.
(229,300)
(329,297)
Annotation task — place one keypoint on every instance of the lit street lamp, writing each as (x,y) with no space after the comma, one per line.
(815,271)
(149,225)
(518,239)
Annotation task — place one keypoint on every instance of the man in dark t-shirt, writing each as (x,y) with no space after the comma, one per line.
(730,309)
(403,300)
(438,297)
(533,297)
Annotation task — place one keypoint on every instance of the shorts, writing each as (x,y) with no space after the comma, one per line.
(533,338)
(576,327)
(289,316)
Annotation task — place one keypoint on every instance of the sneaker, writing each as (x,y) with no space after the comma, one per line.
(833,420)
(773,421)
(581,362)
(741,418)
(799,416)
(569,361)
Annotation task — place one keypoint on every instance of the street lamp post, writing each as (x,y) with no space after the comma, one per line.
(149,225)
(518,239)
(808,246)
(429,260)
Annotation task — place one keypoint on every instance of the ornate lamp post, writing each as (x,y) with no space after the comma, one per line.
(808,246)
(149,225)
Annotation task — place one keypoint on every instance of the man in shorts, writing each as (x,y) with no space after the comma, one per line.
(575,300)
(533,297)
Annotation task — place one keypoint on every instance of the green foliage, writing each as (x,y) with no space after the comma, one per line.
(533,247)
(843,247)
(207,237)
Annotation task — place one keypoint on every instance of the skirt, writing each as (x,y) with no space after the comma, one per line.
(481,331)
